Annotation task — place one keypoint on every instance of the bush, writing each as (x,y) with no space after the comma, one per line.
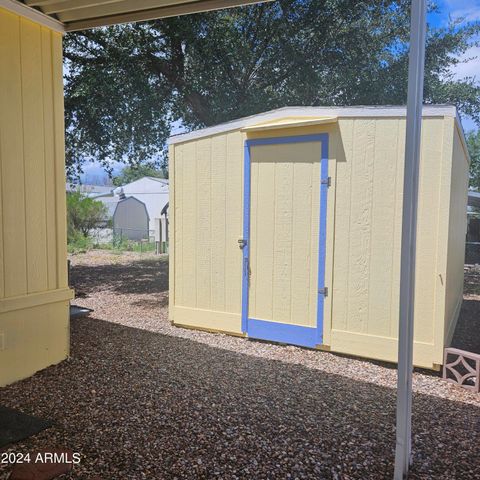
(83,215)
(78,243)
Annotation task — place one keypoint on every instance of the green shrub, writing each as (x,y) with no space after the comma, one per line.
(78,243)
(83,214)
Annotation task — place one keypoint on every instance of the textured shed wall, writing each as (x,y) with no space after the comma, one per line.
(366,159)
(207,223)
(368,216)
(33,258)
(456,235)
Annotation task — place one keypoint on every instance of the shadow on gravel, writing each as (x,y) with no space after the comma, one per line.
(138,404)
(467,331)
(139,276)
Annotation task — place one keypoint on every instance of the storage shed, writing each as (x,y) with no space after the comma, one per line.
(286,226)
(152,191)
(131,219)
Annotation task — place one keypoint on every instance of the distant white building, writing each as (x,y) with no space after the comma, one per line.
(89,190)
(129,216)
(152,191)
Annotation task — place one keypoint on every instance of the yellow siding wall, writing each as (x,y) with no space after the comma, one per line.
(367,239)
(456,235)
(207,223)
(284,233)
(33,277)
(366,160)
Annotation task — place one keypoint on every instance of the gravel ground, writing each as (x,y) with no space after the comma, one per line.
(140,398)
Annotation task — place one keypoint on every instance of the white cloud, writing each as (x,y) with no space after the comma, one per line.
(467,9)
(469,65)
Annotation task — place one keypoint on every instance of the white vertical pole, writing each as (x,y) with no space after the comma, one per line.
(409,227)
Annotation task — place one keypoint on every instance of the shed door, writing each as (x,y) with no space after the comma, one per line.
(286,271)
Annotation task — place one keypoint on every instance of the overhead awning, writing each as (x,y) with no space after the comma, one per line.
(287,122)
(71,15)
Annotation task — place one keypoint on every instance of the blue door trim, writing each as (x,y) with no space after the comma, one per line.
(270,330)
(282,332)
(246,235)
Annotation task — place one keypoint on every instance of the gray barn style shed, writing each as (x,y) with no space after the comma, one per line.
(131,219)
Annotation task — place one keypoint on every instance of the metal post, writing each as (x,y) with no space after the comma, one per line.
(409,227)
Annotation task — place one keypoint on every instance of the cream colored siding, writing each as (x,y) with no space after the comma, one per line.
(456,235)
(173,238)
(234,221)
(364,217)
(207,200)
(284,233)
(368,237)
(33,285)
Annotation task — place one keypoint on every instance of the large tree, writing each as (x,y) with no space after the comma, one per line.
(126,85)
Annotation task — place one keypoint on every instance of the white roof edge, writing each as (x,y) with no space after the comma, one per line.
(463,139)
(358,111)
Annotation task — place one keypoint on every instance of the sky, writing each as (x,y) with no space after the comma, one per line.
(470,11)
(467,9)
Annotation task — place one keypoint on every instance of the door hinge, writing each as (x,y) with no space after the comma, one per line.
(323,291)
(326,181)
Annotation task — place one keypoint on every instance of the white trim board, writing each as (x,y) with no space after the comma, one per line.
(360,111)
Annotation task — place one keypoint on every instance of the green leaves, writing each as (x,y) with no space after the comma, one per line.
(473,143)
(83,214)
(130,174)
(126,85)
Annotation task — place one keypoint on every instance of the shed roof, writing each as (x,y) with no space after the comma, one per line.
(125,201)
(299,116)
(144,185)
